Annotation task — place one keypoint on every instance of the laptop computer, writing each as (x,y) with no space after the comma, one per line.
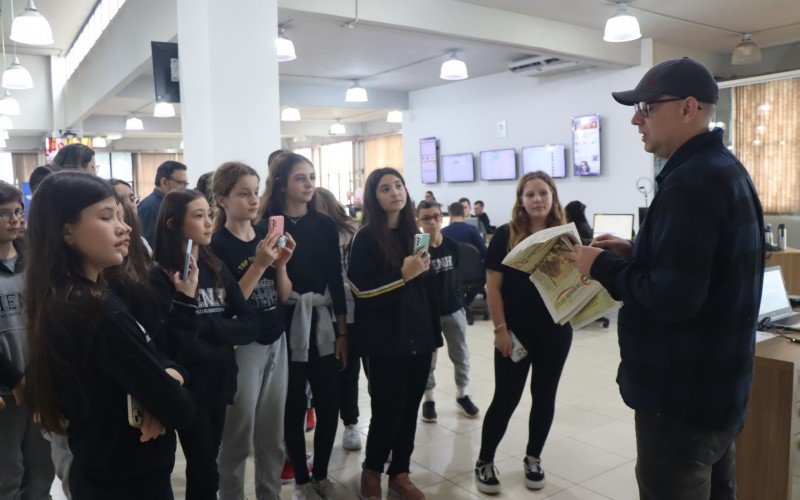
(775,303)
(620,225)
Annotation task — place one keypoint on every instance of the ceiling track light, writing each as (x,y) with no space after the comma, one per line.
(290,114)
(134,123)
(356,93)
(284,47)
(747,52)
(622,27)
(453,68)
(31,28)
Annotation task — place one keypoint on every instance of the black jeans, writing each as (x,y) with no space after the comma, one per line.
(200,442)
(86,485)
(396,389)
(676,460)
(348,382)
(322,373)
(547,352)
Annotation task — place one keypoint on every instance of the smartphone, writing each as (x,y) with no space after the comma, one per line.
(134,413)
(275,224)
(518,351)
(422,241)
(186,260)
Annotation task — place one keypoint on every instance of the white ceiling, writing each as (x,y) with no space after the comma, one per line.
(66,18)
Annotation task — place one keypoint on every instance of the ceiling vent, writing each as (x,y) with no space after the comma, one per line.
(544,65)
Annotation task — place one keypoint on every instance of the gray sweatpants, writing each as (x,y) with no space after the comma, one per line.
(255,421)
(26,470)
(62,459)
(454,328)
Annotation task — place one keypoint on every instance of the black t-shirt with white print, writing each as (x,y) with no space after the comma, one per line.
(238,256)
(444,261)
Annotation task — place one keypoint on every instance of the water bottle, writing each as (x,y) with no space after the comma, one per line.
(768,235)
(782,236)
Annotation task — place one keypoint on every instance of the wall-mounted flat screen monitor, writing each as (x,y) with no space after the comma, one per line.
(586,145)
(458,168)
(550,158)
(620,225)
(429,160)
(499,165)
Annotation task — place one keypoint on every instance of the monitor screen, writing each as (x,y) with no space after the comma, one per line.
(429,160)
(620,225)
(550,159)
(499,165)
(458,168)
(586,145)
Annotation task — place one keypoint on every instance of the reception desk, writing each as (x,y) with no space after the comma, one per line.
(789,260)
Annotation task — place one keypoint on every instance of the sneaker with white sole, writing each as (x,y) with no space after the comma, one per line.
(429,412)
(307,491)
(467,407)
(534,474)
(326,488)
(352,438)
(486,479)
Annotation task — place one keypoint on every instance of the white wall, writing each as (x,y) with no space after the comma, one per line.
(36,104)
(537,111)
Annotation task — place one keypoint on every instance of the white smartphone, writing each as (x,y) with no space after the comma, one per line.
(134,413)
(518,351)
(187,260)
(422,241)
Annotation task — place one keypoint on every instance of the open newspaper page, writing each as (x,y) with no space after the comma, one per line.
(601,305)
(529,252)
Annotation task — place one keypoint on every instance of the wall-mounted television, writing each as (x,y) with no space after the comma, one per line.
(550,158)
(429,160)
(586,145)
(458,168)
(499,165)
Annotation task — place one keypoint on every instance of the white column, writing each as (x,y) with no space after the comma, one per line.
(230,107)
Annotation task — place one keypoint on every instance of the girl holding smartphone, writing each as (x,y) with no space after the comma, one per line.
(222,321)
(516,306)
(87,353)
(397,326)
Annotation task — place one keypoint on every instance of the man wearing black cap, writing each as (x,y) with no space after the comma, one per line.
(691,286)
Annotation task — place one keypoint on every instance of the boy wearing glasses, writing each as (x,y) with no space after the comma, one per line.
(444,260)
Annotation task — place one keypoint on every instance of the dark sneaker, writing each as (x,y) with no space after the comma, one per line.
(429,411)
(467,407)
(534,474)
(486,477)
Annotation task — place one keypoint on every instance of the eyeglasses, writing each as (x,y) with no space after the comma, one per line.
(183,184)
(428,218)
(646,107)
(6,213)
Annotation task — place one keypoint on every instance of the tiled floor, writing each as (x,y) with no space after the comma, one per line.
(589,455)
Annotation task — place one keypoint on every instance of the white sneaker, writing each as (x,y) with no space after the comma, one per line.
(306,491)
(351,439)
(326,488)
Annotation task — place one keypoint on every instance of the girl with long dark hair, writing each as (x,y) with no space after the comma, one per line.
(87,353)
(222,321)
(516,306)
(397,326)
(314,346)
(253,256)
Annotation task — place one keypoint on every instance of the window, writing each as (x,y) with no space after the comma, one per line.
(336,169)
(101,16)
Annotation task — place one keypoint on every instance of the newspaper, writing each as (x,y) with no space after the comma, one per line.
(568,295)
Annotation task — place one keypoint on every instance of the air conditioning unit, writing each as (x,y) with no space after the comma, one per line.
(543,65)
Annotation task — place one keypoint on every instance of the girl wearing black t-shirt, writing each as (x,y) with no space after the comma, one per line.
(316,349)
(517,307)
(222,321)
(397,326)
(87,353)
(255,420)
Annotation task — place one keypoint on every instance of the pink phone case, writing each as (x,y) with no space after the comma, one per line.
(276,224)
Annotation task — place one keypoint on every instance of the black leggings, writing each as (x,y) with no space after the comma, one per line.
(547,352)
(200,442)
(322,373)
(348,382)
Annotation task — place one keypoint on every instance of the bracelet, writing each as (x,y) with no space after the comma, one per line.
(498,327)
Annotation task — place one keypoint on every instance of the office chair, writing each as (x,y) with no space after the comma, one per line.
(471,281)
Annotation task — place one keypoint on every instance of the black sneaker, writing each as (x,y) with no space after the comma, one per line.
(468,408)
(486,477)
(534,474)
(429,411)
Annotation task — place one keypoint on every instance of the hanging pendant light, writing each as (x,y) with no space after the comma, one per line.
(337,129)
(2,143)
(134,123)
(16,77)
(4,134)
(453,68)
(9,105)
(394,117)
(622,27)
(356,93)
(31,28)
(6,123)
(290,114)
(99,142)
(285,48)
(747,52)
(164,110)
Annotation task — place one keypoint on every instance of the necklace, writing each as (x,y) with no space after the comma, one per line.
(295,220)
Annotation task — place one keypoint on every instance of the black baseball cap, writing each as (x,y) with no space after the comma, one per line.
(679,77)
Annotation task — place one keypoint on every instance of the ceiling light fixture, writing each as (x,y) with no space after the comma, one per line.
(6,123)
(453,68)
(747,52)
(99,142)
(290,115)
(394,117)
(622,27)
(164,110)
(2,143)
(9,105)
(113,137)
(4,134)
(356,93)
(284,47)
(16,77)
(31,28)
(134,123)
(337,128)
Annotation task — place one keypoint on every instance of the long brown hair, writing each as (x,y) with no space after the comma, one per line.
(131,277)
(520,220)
(273,201)
(330,206)
(376,222)
(225,178)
